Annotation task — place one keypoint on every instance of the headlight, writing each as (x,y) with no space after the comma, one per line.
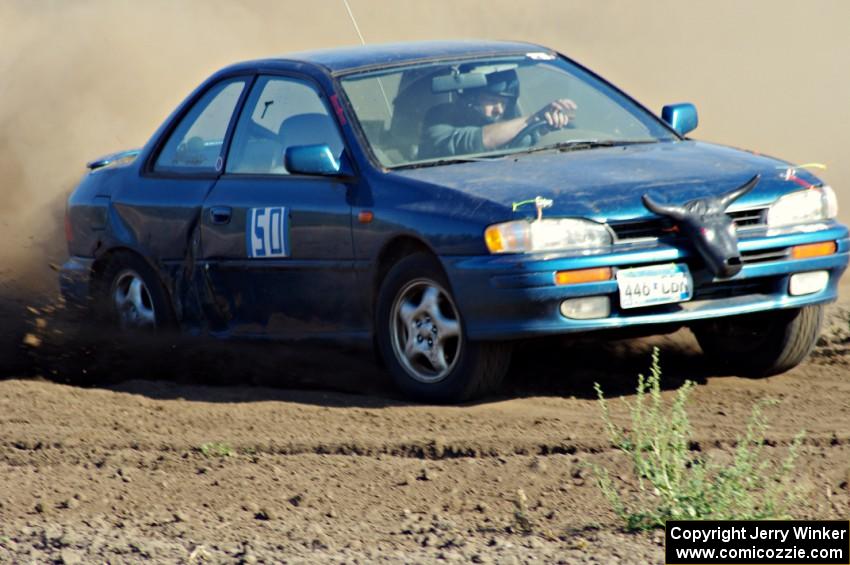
(522,236)
(810,205)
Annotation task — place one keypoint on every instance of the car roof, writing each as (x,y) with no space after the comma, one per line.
(344,59)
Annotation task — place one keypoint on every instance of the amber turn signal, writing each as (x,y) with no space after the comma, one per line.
(813,250)
(493,239)
(577,276)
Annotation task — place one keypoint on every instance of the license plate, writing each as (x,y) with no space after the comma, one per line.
(650,286)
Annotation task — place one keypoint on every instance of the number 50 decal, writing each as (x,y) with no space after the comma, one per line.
(268,232)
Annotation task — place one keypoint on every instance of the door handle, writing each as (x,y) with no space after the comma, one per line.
(221,214)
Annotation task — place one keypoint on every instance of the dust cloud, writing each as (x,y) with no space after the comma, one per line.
(81,79)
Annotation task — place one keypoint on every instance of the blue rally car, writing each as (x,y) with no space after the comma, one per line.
(442,200)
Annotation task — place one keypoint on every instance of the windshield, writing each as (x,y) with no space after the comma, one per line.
(485,108)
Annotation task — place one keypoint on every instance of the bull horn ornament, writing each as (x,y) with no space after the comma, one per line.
(705,223)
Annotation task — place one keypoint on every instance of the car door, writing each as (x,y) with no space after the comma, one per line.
(277,247)
(158,213)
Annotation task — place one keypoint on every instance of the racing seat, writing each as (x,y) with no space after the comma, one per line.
(309,129)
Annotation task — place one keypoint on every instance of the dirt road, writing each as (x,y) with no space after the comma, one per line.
(282,459)
(195,453)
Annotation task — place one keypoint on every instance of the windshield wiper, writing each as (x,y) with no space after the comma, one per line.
(448,161)
(579,144)
(564,146)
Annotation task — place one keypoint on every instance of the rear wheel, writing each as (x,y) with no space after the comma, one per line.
(421,337)
(761,344)
(133,296)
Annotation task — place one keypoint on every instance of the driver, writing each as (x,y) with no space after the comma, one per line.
(487,118)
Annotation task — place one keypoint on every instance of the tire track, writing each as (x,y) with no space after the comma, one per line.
(42,453)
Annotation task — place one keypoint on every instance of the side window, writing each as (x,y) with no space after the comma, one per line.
(195,145)
(280,113)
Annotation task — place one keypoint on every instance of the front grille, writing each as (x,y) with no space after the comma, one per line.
(748,218)
(662,227)
(764,255)
(643,229)
(728,289)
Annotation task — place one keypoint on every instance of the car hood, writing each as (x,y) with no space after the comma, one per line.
(607,183)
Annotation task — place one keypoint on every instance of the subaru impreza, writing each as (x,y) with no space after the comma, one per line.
(441,201)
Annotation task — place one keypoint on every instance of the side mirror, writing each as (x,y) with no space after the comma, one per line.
(681,117)
(315,160)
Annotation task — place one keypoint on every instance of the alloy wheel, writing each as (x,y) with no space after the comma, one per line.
(425,331)
(133,302)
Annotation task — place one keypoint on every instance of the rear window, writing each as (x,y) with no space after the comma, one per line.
(195,145)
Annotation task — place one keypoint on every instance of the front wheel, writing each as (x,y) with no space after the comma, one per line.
(421,337)
(761,344)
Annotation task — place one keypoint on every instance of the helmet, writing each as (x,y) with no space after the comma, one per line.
(504,84)
(501,83)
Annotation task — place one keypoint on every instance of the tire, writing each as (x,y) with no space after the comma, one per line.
(132,296)
(422,340)
(761,345)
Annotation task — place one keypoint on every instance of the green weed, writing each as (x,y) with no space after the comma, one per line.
(214,449)
(674,482)
(522,519)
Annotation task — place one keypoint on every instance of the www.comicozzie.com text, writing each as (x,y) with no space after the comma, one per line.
(756,532)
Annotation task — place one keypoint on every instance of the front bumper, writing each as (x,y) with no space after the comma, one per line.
(514,296)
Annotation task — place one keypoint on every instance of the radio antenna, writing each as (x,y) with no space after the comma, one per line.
(354,21)
(363,42)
